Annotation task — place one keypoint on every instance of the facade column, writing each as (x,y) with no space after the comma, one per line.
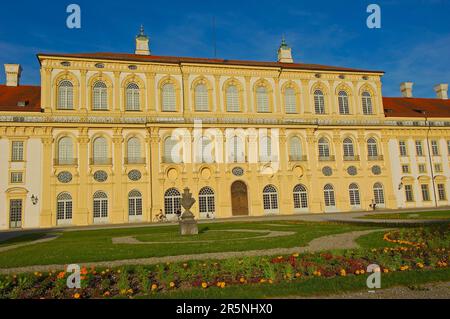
(389,192)
(157,197)
(83,86)
(278,109)
(285,195)
(81,217)
(248,92)
(116,90)
(151,107)
(306,98)
(315,189)
(46,75)
(219,107)
(186,105)
(47,218)
(118,200)
(341,188)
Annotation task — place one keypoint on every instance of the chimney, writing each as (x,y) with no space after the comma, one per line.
(285,53)
(406,89)
(13,72)
(441,91)
(142,40)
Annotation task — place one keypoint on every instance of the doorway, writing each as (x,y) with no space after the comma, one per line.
(239,199)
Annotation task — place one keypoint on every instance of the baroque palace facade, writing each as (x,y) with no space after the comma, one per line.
(115,138)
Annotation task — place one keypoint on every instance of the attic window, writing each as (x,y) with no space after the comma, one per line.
(132,67)
(342,76)
(100,66)
(318,75)
(365,77)
(23,103)
(65,63)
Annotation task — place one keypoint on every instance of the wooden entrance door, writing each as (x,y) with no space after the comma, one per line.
(239,199)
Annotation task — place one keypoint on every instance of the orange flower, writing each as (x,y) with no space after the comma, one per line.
(172,284)
(204,285)
(222,284)
(154,287)
(106,294)
(77,296)
(84,271)
(298,275)
(61,275)
(242,280)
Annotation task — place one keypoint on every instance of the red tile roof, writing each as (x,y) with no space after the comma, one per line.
(10,96)
(405,107)
(178,60)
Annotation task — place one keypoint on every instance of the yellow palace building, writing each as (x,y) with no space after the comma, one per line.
(115,138)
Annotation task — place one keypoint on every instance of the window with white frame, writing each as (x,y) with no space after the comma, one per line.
(422,168)
(367,103)
(409,195)
(100,96)
(100,150)
(435,148)
(201,98)
(204,150)
(17,151)
(232,97)
(448,148)
(206,201)
(419,148)
(425,192)
(100,205)
(237,150)
(328,193)
(290,101)
(168,98)
(133,102)
(135,203)
(405,169)
(64,207)
(378,194)
(372,148)
(16,177)
(65,151)
(265,153)
(441,192)
(300,197)
(295,149)
(170,151)
(262,100)
(438,168)
(324,148)
(343,103)
(172,201)
(349,149)
(353,191)
(133,150)
(402,148)
(270,198)
(65,95)
(319,102)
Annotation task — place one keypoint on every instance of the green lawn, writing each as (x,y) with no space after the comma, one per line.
(96,245)
(416,215)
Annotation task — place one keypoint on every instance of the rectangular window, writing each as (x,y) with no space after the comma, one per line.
(425,193)
(441,192)
(405,169)
(409,193)
(438,168)
(435,148)
(448,147)
(403,149)
(419,149)
(422,168)
(17,151)
(16,177)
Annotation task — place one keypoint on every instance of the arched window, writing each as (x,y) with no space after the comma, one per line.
(204,151)
(170,151)
(100,206)
(237,150)
(300,197)
(172,201)
(270,199)
(349,150)
(133,102)
(265,149)
(324,148)
(295,149)
(372,148)
(168,98)
(378,194)
(319,102)
(65,95)
(100,96)
(328,193)
(134,151)
(343,103)
(290,101)
(65,151)
(64,208)
(135,203)
(262,100)
(367,103)
(206,202)
(353,191)
(201,98)
(100,151)
(232,96)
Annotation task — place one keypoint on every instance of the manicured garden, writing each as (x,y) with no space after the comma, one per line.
(444,215)
(405,256)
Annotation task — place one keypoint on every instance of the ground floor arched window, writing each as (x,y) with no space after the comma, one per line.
(206,202)
(172,201)
(328,193)
(64,208)
(134,204)
(378,194)
(270,199)
(300,197)
(353,191)
(100,207)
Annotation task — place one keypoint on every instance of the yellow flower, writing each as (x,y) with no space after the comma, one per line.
(154,287)
(204,285)
(270,281)
(262,280)
(343,273)
(420,265)
(298,275)
(130,291)
(172,284)
(385,270)
(77,296)
(222,284)
(295,255)
(242,280)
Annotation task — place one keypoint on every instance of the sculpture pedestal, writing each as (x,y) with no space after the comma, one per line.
(188,224)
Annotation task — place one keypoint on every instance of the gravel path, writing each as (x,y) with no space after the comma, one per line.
(46,238)
(339,241)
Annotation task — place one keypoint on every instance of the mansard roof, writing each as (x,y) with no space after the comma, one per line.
(416,107)
(23,98)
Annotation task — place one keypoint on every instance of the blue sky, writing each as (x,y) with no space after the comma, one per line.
(412,45)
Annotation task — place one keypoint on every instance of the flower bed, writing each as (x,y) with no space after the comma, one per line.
(418,249)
